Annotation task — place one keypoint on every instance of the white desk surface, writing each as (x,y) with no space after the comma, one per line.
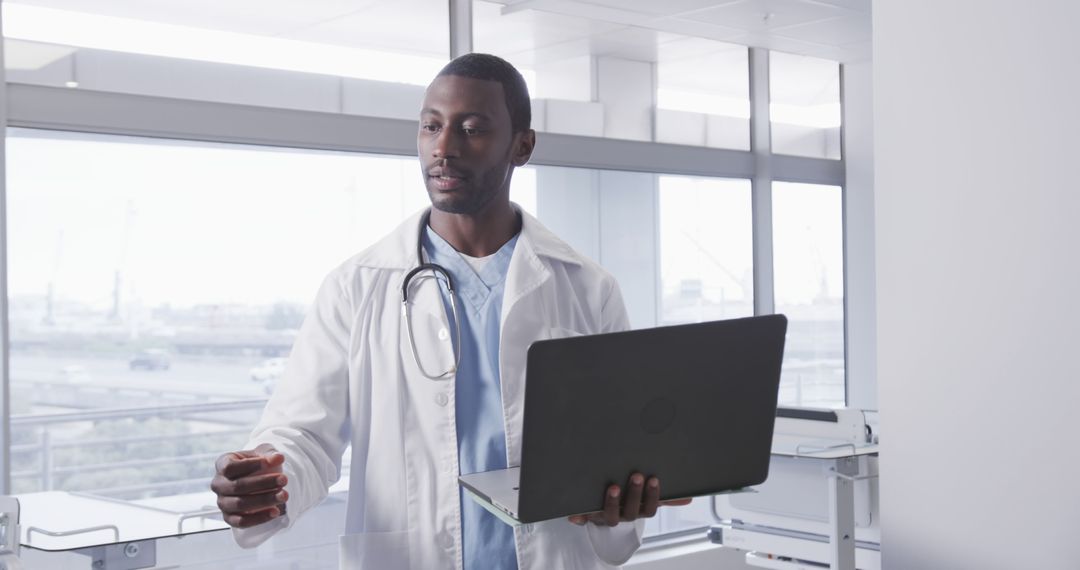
(60,511)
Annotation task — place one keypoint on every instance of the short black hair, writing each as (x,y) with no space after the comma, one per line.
(493,68)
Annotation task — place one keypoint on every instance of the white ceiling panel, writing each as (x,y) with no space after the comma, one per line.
(418,27)
(836,31)
(862,6)
(658,8)
(765,15)
(689,27)
(530,30)
(262,17)
(821,28)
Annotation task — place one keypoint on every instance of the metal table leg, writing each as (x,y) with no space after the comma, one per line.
(842,513)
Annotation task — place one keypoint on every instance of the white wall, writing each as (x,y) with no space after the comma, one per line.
(978,294)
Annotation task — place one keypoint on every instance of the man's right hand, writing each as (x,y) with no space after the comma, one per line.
(250,486)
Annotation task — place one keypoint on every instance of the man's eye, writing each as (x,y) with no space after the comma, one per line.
(430,128)
(470,131)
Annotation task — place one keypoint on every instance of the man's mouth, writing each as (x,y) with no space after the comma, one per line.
(446,179)
(447,182)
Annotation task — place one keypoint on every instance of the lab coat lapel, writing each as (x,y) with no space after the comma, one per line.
(523,321)
(527,317)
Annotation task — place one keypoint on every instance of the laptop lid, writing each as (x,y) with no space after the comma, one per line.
(692,404)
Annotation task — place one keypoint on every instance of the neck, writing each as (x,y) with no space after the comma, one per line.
(480,234)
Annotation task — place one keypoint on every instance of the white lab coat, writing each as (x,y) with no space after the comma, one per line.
(352,377)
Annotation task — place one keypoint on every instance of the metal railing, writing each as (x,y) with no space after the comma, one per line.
(47,472)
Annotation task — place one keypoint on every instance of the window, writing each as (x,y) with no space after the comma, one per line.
(333,57)
(809,273)
(159,284)
(595,77)
(155,284)
(804,105)
(703,94)
(706,249)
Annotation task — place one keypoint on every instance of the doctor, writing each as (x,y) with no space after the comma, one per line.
(423,371)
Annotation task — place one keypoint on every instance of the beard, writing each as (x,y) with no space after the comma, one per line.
(463,201)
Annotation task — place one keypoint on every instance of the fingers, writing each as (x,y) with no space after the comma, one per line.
(238,464)
(641,499)
(251,485)
(252,519)
(632,502)
(652,498)
(242,466)
(247,504)
(611,505)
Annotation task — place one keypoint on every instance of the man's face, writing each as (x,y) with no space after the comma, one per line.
(466,144)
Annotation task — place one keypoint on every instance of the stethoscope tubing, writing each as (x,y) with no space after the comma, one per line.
(437,272)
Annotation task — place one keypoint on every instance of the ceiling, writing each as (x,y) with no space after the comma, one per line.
(535,30)
(837,30)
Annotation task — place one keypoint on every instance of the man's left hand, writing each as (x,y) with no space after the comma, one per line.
(640,499)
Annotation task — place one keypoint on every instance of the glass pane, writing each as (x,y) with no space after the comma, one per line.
(703,94)
(150,279)
(706,249)
(804,105)
(604,78)
(338,56)
(523,189)
(809,282)
(608,216)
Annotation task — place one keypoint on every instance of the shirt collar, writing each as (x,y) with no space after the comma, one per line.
(398,250)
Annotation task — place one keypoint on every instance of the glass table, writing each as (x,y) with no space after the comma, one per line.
(115,534)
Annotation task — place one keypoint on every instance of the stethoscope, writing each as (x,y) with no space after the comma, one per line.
(437,272)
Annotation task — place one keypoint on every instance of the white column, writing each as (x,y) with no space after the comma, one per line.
(860,283)
(761,148)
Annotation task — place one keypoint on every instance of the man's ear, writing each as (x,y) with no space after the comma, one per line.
(524,143)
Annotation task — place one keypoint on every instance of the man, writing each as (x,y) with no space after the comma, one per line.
(437,390)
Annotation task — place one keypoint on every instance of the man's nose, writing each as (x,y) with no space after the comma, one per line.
(446,144)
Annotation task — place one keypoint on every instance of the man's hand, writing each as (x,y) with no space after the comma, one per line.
(641,500)
(250,486)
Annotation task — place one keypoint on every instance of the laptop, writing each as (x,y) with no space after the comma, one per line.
(691,404)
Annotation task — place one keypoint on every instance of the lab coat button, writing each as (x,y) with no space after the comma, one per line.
(447,541)
(441,399)
(444,334)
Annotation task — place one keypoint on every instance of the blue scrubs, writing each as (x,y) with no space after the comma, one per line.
(486,542)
